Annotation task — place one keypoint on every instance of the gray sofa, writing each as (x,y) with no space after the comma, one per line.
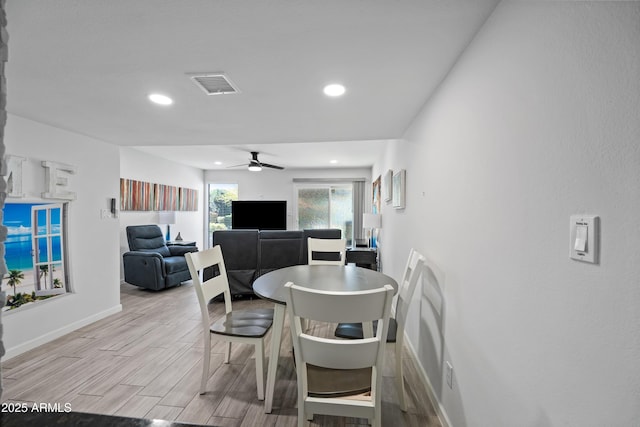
(250,253)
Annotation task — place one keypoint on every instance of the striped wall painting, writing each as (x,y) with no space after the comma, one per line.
(147,196)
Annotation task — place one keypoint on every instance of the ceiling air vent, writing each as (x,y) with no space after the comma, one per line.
(214,84)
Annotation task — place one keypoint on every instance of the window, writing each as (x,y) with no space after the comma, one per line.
(48,256)
(220,198)
(35,251)
(325,206)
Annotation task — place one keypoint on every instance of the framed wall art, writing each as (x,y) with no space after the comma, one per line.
(387,186)
(148,196)
(375,205)
(399,189)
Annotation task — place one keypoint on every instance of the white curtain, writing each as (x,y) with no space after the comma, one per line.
(358,208)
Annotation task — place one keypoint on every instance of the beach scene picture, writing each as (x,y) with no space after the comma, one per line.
(33,252)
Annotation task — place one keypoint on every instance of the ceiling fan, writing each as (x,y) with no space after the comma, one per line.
(256,165)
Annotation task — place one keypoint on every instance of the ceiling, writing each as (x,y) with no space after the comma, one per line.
(88,66)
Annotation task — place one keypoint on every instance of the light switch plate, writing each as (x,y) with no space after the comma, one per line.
(592,226)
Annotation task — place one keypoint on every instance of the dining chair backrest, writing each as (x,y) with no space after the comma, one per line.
(406,287)
(327,246)
(208,289)
(337,355)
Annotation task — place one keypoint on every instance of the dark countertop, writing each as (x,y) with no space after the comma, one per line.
(79,419)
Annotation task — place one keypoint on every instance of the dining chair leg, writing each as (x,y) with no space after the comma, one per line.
(302,418)
(205,362)
(227,352)
(274,355)
(259,355)
(399,373)
(377,421)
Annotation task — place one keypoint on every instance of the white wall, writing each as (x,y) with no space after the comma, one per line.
(278,184)
(141,166)
(536,122)
(93,242)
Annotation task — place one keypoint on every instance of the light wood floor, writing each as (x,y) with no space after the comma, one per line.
(146,362)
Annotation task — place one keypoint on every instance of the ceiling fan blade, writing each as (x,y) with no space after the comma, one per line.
(237,166)
(267,165)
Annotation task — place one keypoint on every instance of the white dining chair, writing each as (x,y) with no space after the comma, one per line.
(334,246)
(240,326)
(331,248)
(413,269)
(327,367)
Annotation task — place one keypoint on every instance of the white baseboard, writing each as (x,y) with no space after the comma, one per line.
(43,339)
(440,411)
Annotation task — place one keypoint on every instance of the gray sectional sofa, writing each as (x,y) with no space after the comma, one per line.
(250,253)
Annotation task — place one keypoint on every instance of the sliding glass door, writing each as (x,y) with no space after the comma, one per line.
(325,206)
(220,198)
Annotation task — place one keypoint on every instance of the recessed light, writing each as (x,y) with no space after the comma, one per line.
(160,99)
(217,163)
(334,90)
(333,162)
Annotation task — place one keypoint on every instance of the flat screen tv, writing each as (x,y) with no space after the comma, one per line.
(259,214)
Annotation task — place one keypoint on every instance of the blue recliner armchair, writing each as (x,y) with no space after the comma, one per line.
(150,263)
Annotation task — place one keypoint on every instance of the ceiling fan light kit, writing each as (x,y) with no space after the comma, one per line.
(256,165)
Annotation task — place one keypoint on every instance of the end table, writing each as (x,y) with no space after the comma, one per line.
(363,257)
